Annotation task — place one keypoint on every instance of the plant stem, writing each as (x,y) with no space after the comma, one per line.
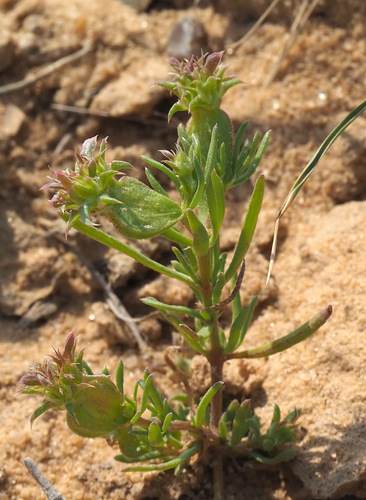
(110,241)
(218,486)
(216,360)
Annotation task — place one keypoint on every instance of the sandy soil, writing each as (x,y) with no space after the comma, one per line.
(46,291)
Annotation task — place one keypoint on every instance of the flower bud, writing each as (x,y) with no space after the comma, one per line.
(96,407)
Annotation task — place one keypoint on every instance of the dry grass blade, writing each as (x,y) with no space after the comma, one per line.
(305,174)
(300,20)
(47,70)
(253,28)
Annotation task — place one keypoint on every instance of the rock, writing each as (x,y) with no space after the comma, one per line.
(134,92)
(11,120)
(188,38)
(39,311)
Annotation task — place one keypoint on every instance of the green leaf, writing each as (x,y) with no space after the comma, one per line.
(205,401)
(223,430)
(174,235)
(238,141)
(143,213)
(201,240)
(154,183)
(219,266)
(166,423)
(46,405)
(250,167)
(188,334)
(241,423)
(244,161)
(248,229)
(186,266)
(231,410)
(170,464)
(200,182)
(240,326)
(163,168)
(216,204)
(167,308)
(120,377)
(152,455)
(283,456)
(276,417)
(212,154)
(155,436)
(293,338)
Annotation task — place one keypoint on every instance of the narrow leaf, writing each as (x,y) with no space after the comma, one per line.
(212,154)
(283,456)
(240,327)
(223,430)
(252,167)
(166,423)
(163,168)
(216,204)
(170,464)
(154,183)
(46,405)
(205,401)
(155,436)
(240,423)
(200,236)
(185,265)
(279,345)
(248,229)
(167,308)
(238,141)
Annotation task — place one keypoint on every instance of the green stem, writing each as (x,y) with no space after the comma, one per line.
(218,486)
(110,241)
(215,357)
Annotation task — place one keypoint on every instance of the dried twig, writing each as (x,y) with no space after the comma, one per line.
(113,302)
(242,40)
(47,70)
(46,486)
(79,110)
(233,293)
(301,17)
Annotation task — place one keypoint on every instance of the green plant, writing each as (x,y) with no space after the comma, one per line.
(154,432)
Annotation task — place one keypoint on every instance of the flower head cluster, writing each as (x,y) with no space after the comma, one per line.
(198,82)
(84,189)
(55,377)
(94,405)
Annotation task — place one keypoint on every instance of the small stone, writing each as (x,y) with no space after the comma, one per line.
(11,120)
(188,38)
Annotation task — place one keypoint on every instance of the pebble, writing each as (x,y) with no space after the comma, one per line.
(11,120)
(188,38)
